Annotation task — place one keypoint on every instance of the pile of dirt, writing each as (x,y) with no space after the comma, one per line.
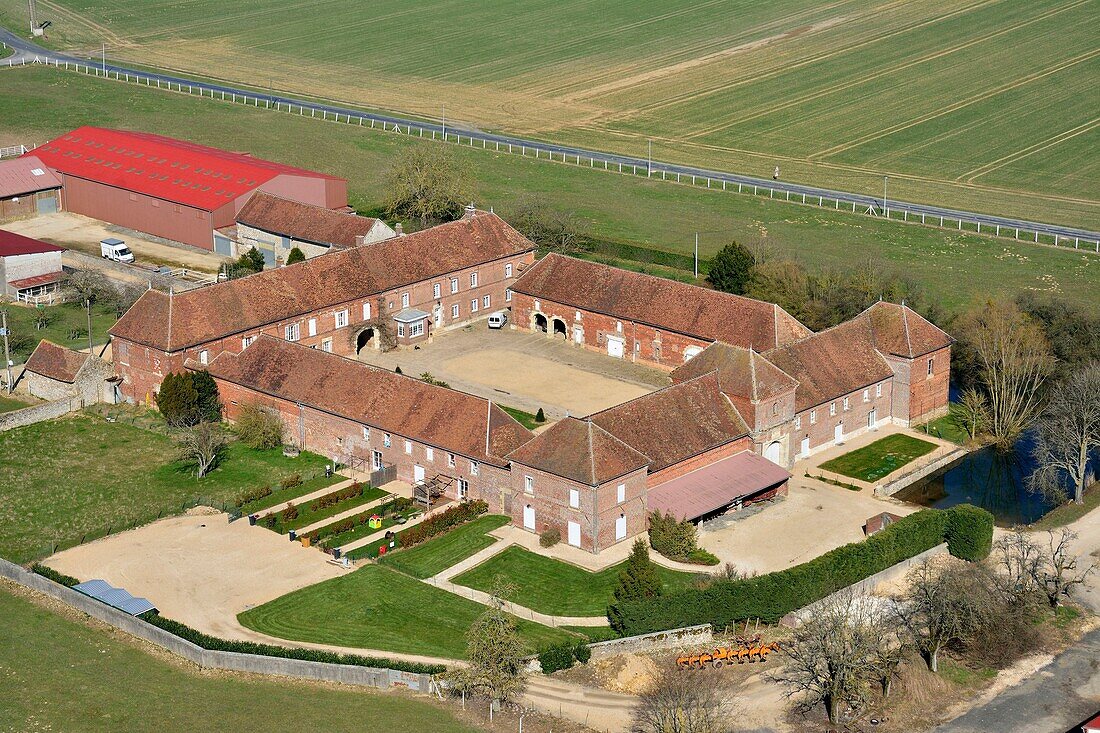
(627,673)
(202,511)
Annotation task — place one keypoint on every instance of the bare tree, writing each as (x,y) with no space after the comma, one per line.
(1068,435)
(973,410)
(1018,561)
(1060,569)
(202,445)
(428,184)
(1012,360)
(551,229)
(495,651)
(944,603)
(683,701)
(833,659)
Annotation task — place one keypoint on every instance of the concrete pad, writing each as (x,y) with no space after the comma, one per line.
(199,569)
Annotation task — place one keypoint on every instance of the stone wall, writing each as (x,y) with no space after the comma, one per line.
(39,413)
(347,674)
(672,639)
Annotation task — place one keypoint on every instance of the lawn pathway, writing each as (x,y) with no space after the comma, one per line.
(380,534)
(305,498)
(443,580)
(358,509)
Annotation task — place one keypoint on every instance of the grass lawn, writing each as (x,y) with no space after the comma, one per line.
(949,427)
(97,474)
(379,608)
(63,321)
(8,404)
(282,496)
(307,517)
(39,103)
(554,587)
(883,457)
(526,419)
(64,675)
(437,554)
(1070,512)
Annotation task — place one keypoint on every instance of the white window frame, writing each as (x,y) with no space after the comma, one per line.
(451,460)
(416,329)
(575,498)
(408,447)
(508,295)
(797,422)
(931,368)
(341,318)
(507,269)
(529,484)
(473,279)
(437,291)
(618,326)
(475,468)
(312,327)
(404,300)
(429,454)
(376,459)
(366,433)
(455,310)
(246,341)
(463,490)
(386,440)
(485,302)
(473,305)
(577,316)
(366,311)
(293,332)
(454,284)
(400,329)
(847,404)
(866,395)
(878,390)
(326,345)
(204,357)
(832,409)
(620,493)
(538,305)
(813,417)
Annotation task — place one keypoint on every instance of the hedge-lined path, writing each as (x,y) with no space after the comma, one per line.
(306,498)
(358,509)
(381,534)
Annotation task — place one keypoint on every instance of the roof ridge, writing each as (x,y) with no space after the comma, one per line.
(168,335)
(752,375)
(908,341)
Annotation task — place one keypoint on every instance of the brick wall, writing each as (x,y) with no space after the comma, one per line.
(927,389)
(641,343)
(821,431)
(703,459)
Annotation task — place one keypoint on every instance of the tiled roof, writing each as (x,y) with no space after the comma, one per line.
(444,418)
(741,372)
(900,331)
(832,363)
(579,451)
(55,362)
(715,486)
(660,302)
(162,167)
(16,244)
(675,423)
(35,280)
(25,175)
(196,316)
(303,221)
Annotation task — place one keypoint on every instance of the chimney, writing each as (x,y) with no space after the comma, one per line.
(360,240)
(471,211)
(398,229)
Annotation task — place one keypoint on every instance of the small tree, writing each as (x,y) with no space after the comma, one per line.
(428,184)
(973,412)
(296,255)
(673,538)
(202,446)
(209,405)
(178,400)
(637,580)
(1060,570)
(683,702)
(730,269)
(1068,435)
(260,427)
(540,416)
(495,651)
(247,263)
(552,230)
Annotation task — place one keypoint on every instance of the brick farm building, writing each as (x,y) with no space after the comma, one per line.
(170,188)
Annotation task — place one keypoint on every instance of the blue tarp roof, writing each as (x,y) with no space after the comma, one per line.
(103,591)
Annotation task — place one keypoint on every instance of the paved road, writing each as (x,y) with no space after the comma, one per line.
(28,52)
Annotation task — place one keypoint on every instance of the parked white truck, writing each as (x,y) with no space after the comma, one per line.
(115,249)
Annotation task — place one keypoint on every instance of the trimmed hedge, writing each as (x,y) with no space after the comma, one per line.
(772,596)
(213,643)
(442,522)
(562,656)
(46,572)
(969,532)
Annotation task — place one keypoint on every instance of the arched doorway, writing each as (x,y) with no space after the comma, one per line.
(364,340)
(560,329)
(774,452)
(540,322)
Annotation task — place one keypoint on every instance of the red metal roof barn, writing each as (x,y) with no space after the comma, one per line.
(174,189)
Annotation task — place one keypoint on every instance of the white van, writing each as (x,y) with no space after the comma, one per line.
(115,249)
(498,319)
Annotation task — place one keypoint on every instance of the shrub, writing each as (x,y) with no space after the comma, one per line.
(47,572)
(442,522)
(672,538)
(213,643)
(260,427)
(292,481)
(253,495)
(335,497)
(559,656)
(699,556)
(969,532)
(582,653)
(290,513)
(189,398)
(550,537)
(269,521)
(540,416)
(769,597)
(295,256)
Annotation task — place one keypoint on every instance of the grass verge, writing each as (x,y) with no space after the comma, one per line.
(376,607)
(949,427)
(881,458)
(551,586)
(9,404)
(525,419)
(1071,511)
(438,554)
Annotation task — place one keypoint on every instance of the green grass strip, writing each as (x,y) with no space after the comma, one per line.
(880,458)
(437,554)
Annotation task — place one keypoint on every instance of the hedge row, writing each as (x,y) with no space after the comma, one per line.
(46,572)
(772,596)
(562,656)
(335,497)
(213,643)
(442,522)
(969,532)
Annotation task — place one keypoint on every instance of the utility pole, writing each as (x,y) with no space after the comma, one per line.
(444,122)
(103,56)
(696,255)
(885,210)
(7,354)
(649,164)
(88,305)
(34,15)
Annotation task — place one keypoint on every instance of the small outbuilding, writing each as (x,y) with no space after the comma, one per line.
(54,372)
(30,269)
(28,187)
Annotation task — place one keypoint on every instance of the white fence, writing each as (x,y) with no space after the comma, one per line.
(895,210)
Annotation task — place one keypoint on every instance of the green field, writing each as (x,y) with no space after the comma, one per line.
(61,674)
(881,458)
(96,475)
(63,321)
(37,103)
(980,104)
(554,587)
(438,554)
(379,608)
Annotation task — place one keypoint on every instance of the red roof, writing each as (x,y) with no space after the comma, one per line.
(25,175)
(30,282)
(162,167)
(716,486)
(16,244)
(56,362)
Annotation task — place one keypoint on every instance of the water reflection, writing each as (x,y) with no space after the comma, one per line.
(989,478)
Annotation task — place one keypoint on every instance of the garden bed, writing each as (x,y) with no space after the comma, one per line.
(279,495)
(284,520)
(879,459)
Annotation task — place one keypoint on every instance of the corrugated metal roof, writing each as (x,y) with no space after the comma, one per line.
(16,244)
(716,486)
(162,167)
(24,175)
(103,591)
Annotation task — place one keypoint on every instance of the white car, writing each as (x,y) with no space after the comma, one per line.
(498,319)
(115,249)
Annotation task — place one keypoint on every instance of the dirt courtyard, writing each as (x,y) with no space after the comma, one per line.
(525,370)
(199,568)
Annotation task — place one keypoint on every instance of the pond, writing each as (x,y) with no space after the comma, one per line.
(990,478)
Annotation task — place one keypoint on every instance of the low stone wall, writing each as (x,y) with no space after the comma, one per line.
(673,638)
(39,413)
(348,674)
(896,485)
